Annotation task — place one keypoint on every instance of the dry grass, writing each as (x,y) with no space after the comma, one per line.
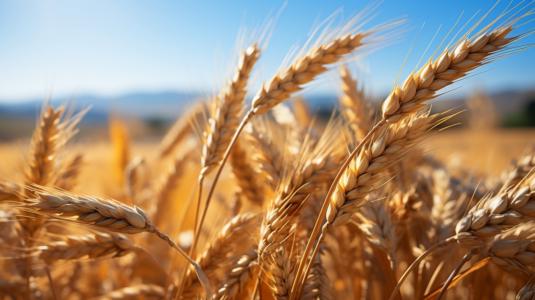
(306,209)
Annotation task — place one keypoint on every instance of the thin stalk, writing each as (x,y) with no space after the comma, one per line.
(191,251)
(197,228)
(197,211)
(51,283)
(240,128)
(203,279)
(465,259)
(416,262)
(297,286)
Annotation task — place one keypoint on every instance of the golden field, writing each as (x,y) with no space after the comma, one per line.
(263,200)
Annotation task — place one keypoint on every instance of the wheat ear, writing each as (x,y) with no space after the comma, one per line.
(304,70)
(91,245)
(353,105)
(67,178)
(514,249)
(284,84)
(493,215)
(302,112)
(289,201)
(281,273)
(419,88)
(228,111)
(44,146)
(239,278)
(366,172)
(521,169)
(452,65)
(106,214)
(266,157)
(376,224)
(246,178)
(10,191)
(181,129)
(221,128)
(317,285)
(527,292)
(169,182)
(232,236)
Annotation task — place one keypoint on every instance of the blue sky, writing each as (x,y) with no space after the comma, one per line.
(69,48)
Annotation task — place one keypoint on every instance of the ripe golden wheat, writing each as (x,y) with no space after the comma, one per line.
(352,208)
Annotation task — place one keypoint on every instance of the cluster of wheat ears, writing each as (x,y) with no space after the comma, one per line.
(349,209)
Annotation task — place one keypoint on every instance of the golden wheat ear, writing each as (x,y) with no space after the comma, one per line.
(90,245)
(54,129)
(181,129)
(330,49)
(353,106)
(105,214)
(227,112)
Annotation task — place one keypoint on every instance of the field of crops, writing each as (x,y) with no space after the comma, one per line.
(263,200)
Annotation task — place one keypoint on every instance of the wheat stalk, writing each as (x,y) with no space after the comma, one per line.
(220,251)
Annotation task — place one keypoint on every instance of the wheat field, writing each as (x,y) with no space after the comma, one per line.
(264,200)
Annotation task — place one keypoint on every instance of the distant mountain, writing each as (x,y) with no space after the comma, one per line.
(169,104)
(166,105)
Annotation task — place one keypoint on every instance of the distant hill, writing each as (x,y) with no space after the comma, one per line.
(165,104)
(169,104)
(17,118)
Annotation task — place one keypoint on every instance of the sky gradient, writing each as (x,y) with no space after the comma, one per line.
(69,48)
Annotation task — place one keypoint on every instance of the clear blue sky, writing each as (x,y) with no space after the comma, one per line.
(106,47)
